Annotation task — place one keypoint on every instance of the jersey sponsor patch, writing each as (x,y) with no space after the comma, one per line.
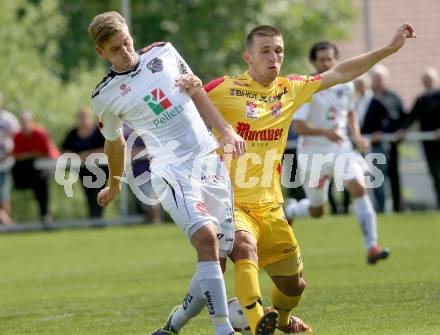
(251,110)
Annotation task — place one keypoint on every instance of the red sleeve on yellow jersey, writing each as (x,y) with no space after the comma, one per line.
(213,84)
(304,78)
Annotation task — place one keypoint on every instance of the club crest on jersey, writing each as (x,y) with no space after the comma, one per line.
(124,89)
(251,110)
(155,65)
(276,109)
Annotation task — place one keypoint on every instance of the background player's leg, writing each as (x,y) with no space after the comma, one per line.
(365,212)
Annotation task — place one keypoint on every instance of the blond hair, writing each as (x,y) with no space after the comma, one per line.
(105,25)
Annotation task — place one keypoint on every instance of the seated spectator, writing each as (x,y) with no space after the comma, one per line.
(84,140)
(30,143)
(8,127)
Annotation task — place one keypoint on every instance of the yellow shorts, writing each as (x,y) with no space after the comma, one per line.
(275,239)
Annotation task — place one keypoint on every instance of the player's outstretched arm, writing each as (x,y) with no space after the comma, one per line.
(193,85)
(115,151)
(354,67)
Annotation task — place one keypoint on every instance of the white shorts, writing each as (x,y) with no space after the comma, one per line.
(196,193)
(317,170)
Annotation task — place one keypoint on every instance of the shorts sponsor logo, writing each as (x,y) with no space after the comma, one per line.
(155,65)
(251,110)
(201,207)
(213,178)
(124,89)
(289,250)
(244,130)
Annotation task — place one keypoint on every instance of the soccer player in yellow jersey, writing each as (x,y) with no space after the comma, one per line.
(260,105)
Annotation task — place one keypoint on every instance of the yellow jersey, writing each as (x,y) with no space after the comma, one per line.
(262,116)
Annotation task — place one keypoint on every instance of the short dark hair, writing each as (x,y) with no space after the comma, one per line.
(322,45)
(265,30)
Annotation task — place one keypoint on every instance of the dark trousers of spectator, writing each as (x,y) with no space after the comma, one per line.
(27,177)
(390,170)
(433,160)
(95,211)
(294,192)
(41,192)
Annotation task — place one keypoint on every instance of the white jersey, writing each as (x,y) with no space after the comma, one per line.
(328,109)
(9,126)
(147,100)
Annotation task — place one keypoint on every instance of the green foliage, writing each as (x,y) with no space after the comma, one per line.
(126,280)
(30,68)
(210,34)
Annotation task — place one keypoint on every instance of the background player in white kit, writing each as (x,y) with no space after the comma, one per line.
(323,126)
(190,179)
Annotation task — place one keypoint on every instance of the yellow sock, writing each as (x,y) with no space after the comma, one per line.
(284,305)
(247,289)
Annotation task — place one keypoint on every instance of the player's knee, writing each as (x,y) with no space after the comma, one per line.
(206,243)
(297,287)
(244,249)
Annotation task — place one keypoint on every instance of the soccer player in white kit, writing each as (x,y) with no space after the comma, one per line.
(187,175)
(323,126)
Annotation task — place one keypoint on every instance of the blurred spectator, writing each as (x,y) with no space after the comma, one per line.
(141,166)
(84,140)
(30,143)
(426,110)
(363,96)
(8,128)
(385,114)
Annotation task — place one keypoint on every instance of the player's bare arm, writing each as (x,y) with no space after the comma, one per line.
(302,127)
(193,85)
(115,151)
(354,67)
(353,124)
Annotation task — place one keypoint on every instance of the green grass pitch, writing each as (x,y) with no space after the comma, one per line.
(125,280)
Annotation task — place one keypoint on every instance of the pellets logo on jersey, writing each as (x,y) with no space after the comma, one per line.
(124,89)
(157,101)
(331,113)
(155,65)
